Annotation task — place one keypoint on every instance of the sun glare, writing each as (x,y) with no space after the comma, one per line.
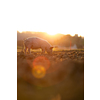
(51,33)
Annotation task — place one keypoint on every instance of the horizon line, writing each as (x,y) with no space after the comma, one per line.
(51,35)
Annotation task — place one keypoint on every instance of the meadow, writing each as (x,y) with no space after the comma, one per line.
(59,76)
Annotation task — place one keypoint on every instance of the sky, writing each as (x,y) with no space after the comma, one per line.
(53,16)
(57,16)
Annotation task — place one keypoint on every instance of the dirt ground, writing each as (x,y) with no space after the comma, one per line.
(59,76)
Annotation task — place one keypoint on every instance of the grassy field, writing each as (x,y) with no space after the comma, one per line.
(56,77)
(19,49)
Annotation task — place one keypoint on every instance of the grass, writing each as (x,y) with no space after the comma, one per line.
(64,83)
(19,49)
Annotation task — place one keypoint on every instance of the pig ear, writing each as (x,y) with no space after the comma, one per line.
(51,47)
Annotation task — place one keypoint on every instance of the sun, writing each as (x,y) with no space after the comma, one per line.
(51,33)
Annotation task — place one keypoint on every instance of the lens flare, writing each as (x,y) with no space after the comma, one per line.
(40,65)
(41,61)
(38,71)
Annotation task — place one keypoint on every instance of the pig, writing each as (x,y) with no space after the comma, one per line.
(36,43)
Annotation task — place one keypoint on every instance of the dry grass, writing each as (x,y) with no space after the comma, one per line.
(63,80)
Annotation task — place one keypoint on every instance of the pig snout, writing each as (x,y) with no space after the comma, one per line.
(49,51)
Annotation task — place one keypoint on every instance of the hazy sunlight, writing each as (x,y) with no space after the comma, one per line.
(51,33)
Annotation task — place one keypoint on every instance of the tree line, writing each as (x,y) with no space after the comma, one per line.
(58,39)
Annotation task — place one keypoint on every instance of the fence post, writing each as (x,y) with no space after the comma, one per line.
(70,45)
